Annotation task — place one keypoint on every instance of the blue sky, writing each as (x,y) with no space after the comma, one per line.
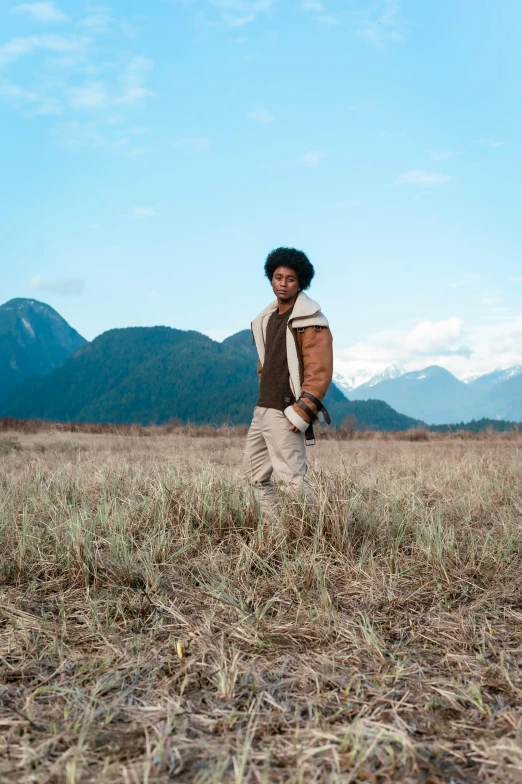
(153,153)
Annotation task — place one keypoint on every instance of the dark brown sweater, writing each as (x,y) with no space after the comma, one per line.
(275,391)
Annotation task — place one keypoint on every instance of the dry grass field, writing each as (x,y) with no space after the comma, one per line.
(151,630)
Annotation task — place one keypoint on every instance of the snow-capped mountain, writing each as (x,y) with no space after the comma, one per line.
(395,370)
(436,396)
(364,378)
(516,370)
(493,377)
(345,384)
(432,394)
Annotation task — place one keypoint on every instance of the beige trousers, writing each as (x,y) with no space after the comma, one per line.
(273,449)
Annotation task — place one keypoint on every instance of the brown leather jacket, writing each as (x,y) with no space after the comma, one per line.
(309,352)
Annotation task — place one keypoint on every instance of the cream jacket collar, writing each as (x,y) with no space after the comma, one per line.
(303,308)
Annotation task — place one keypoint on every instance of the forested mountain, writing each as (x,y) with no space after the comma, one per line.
(34,339)
(478,426)
(150,375)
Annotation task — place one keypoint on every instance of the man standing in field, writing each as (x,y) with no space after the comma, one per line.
(295,365)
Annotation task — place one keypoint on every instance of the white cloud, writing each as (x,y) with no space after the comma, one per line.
(141,213)
(381,23)
(238,13)
(462,350)
(89,96)
(37,102)
(66,286)
(430,337)
(492,298)
(428,343)
(327,19)
(21,47)
(422,178)
(45,13)
(98,19)
(491,142)
(261,116)
(455,284)
(495,345)
(441,155)
(10,90)
(75,135)
(70,73)
(134,79)
(47,107)
(312,158)
(193,144)
(317,8)
(137,152)
(311,6)
(238,21)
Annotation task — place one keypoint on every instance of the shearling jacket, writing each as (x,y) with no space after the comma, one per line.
(309,353)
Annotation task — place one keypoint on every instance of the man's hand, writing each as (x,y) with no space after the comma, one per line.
(294,429)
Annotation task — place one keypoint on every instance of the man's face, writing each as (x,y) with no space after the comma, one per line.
(285,284)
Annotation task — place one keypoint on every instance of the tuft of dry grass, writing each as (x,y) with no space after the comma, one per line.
(152,629)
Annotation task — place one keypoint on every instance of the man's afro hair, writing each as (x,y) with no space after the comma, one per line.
(294,259)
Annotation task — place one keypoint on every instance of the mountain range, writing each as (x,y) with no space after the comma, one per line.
(151,375)
(436,396)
